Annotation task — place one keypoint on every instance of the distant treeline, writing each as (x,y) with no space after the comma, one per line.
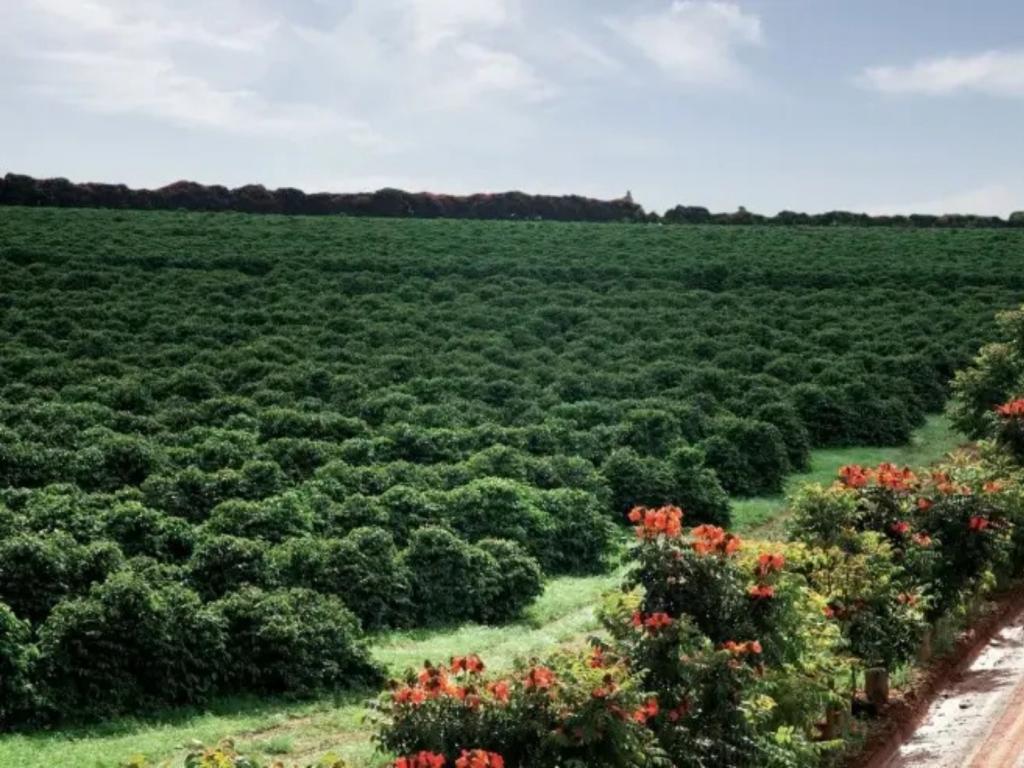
(17,189)
(253,198)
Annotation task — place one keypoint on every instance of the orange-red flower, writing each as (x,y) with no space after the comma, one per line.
(651,523)
(652,622)
(944,484)
(900,527)
(768,563)
(924,504)
(907,598)
(1011,410)
(895,479)
(978,523)
(421,760)
(854,476)
(752,647)
(499,689)
(710,539)
(647,711)
(761,592)
(922,539)
(596,660)
(409,695)
(540,678)
(606,689)
(992,486)
(479,758)
(471,663)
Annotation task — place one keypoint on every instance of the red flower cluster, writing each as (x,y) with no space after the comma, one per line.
(992,486)
(421,760)
(434,683)
(1011,410)
(710,539)
(607,689)
(978,523)
(539,678)
(652,523)
(900,528)
(499,690)
(886,475)
(945,485)
(854,476)
(471,664)
(895,479)
(922,539)
(761,592)
(652,622)
(924,504)
(478,758)
(647,711)
(768,563)
(751,647)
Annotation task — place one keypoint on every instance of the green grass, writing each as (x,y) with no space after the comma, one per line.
(302,731)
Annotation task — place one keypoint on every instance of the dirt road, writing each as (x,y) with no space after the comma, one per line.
(978,721)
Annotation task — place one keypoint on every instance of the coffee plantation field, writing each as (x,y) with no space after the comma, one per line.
(230,444)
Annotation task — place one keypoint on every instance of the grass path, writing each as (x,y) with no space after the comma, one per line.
(764,515)
(302,731)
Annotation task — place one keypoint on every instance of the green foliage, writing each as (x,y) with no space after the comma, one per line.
(221,564)
(511,585)
(682,479)
(821,515)
(364,568)
(36,572)
(454,581)
(749,457)
(17,656)
(291,640)
(129,644)
(995,376)
(230,401)
(142,531)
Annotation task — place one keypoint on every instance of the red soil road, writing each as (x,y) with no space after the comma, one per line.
(978,720)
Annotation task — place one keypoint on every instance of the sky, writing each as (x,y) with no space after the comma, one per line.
(884,106)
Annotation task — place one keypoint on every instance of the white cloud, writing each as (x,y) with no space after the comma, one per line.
(162,60)
(694,41)
(990,200)
(485,70)
(146,23)
(437,21)
(439,57)
(586,55)
(120,83)
(999,73)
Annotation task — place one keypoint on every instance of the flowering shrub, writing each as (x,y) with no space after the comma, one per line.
(945,531)
(720,651)
(713,650)
(571,707)
(1010,427)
